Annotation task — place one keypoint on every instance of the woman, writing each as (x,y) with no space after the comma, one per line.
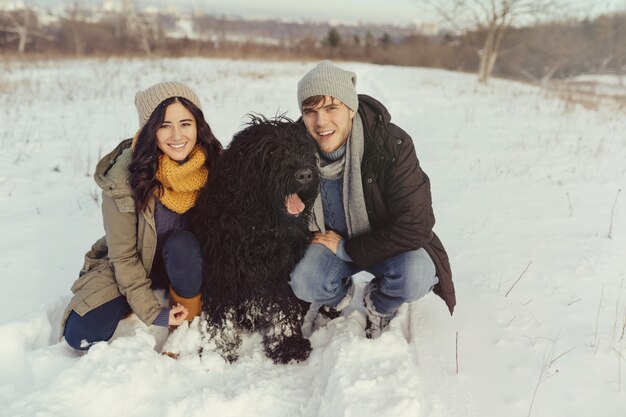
(148,183)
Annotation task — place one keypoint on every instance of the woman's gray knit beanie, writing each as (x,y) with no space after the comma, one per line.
(327,79)
(149,99)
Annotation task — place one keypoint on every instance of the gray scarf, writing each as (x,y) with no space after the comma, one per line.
(353,199)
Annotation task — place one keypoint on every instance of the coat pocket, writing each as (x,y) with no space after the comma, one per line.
(96,257)
(97,271)
(86,276)
(83,305)
(94,289)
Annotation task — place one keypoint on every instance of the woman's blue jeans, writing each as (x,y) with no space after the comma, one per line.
(183,265)
(322,278)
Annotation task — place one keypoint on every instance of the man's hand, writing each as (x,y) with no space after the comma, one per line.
(178,314)
(330,239)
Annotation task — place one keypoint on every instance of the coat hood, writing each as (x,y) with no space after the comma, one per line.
(111,173)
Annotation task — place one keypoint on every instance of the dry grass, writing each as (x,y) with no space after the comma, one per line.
(5,87)
(587,94)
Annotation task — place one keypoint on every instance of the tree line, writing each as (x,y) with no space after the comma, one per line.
(539,52)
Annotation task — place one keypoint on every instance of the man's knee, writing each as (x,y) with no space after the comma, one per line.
(300,289)
(303,281)
(408,276)
(316,274)
(421,275)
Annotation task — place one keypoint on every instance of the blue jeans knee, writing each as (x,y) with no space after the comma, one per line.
(183,263)
(97,325)
(402,278)
(321,277)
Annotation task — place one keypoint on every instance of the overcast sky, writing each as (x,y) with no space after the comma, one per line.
(371,11)
(387,11)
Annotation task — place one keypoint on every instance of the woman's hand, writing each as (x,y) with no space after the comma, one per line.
(330,239)
(178,314)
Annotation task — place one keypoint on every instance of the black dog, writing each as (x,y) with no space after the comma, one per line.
(251,220)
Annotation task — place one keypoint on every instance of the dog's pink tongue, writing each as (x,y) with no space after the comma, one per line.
(293,204)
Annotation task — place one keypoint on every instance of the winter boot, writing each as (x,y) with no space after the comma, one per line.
(376,323)
(193,304)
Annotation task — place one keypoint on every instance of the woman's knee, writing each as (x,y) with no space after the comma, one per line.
(74,333)
(98,325)
(80,334)
(181,244)
(183,263)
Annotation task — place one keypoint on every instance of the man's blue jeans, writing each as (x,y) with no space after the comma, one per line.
(322,278)
(183,265)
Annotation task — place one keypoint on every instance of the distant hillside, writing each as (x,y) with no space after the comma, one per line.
(541,52)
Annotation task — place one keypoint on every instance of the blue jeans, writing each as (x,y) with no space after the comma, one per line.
(322,278)
(183,265)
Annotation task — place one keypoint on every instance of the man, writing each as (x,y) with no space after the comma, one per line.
(374,211)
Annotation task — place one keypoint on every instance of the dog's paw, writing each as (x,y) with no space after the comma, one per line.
(223,338)
(230,357)
(293,348)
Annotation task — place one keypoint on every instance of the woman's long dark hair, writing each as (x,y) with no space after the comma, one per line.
(145,162)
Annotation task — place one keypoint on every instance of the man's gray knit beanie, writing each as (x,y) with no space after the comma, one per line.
(149,99)
(327,79)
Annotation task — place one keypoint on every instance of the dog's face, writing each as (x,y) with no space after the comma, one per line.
(275,162)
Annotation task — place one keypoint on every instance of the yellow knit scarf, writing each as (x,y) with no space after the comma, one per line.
(182,182)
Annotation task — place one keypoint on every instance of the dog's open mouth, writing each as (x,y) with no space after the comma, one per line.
(293,204)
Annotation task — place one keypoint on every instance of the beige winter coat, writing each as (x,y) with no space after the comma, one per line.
(118,263)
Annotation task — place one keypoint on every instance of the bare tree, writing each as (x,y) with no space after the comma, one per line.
(493,18)
(142,27)
(541,52)
(610,32)
(21,24)
(621,48)
(149,34)
(72,24)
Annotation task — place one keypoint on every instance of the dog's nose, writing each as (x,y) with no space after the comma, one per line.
(304,175)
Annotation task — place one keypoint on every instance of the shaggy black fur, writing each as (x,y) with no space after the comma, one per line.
(250,242)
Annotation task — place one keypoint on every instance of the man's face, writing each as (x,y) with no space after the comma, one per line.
(329,123)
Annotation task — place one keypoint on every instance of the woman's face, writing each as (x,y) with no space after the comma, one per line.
(178,133)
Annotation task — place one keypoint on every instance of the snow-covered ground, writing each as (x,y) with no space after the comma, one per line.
(526,191)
